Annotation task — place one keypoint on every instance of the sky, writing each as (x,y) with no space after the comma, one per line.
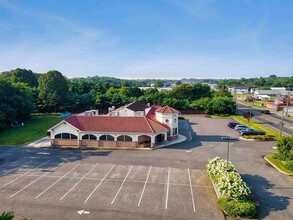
(138,39)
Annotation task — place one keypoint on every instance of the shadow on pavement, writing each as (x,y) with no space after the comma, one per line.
(21,157)
(267,201)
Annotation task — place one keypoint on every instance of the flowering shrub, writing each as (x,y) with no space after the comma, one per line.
(226,178)
(231,187)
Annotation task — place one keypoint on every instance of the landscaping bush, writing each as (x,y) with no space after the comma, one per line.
(285,148)
(238,207)
(257,137)
(7,215)
(226,178)
(231,187)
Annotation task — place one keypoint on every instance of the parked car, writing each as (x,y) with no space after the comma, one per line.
(240,127)
(265,111)
(252,132)
(232,124)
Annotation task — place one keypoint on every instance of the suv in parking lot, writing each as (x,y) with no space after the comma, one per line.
(232,124)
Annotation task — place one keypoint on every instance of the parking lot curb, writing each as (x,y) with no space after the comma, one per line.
(273,165)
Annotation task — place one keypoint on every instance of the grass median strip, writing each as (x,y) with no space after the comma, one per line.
(278,165)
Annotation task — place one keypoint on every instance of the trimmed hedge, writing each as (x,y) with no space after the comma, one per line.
(238,208)
(257,137)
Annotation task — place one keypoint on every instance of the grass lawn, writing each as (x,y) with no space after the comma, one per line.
(33,129)
(278,164)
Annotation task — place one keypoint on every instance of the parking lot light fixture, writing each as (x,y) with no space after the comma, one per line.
(228,139)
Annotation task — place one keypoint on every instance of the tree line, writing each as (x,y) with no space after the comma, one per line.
(23,92)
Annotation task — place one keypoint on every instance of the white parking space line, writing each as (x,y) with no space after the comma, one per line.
(45,174)
(144,186)
(121,186)
(99,184)
(9,171)
(57,181)
(191,190)
(167,193)
(23,175)
(78,182)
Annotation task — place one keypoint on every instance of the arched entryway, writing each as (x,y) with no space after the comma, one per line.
(160,139)
(144,141)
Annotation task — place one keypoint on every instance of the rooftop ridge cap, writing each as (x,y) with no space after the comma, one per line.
(149,124)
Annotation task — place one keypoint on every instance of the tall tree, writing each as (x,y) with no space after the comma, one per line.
(53,91)
(24,76)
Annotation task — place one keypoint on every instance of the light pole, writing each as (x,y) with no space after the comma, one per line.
(228,148)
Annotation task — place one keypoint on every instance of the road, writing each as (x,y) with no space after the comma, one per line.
(272,120)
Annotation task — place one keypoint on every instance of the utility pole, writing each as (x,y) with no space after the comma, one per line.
(282,119)
(287,102)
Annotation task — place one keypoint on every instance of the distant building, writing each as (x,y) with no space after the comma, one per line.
(238,90)
(270,94)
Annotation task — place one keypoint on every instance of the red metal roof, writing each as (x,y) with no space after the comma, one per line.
(167,109)
(116,124)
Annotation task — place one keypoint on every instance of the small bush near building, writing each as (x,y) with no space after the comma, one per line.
(238,208)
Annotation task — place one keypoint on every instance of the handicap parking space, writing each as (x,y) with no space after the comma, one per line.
(96,186)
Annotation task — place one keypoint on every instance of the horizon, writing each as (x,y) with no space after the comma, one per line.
(155,39)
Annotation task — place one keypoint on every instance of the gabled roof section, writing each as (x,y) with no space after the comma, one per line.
(167,109)
(136,106)
(116,124)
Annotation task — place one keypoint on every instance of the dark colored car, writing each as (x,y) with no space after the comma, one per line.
(232,124)
(252,132)
(265,111)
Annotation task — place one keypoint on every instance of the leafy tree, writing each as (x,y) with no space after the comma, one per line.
(53,91)
(202,104)
(16,101)
(223,93)
(221,105)
(183,91)
(159,83)
(25,76)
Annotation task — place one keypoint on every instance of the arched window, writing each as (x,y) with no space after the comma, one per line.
(89,137)
(106,137)
(124,138)
(66,136)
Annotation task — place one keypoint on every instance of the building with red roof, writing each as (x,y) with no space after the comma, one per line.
(152,126)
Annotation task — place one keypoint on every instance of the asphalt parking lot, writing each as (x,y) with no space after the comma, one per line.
(167,183)
(146,192)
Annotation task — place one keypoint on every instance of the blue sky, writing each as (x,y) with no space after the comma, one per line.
(148,38)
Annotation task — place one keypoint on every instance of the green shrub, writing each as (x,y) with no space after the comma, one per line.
(7,215)
(238,208)
(288,164)
(257,137)
(285,148)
